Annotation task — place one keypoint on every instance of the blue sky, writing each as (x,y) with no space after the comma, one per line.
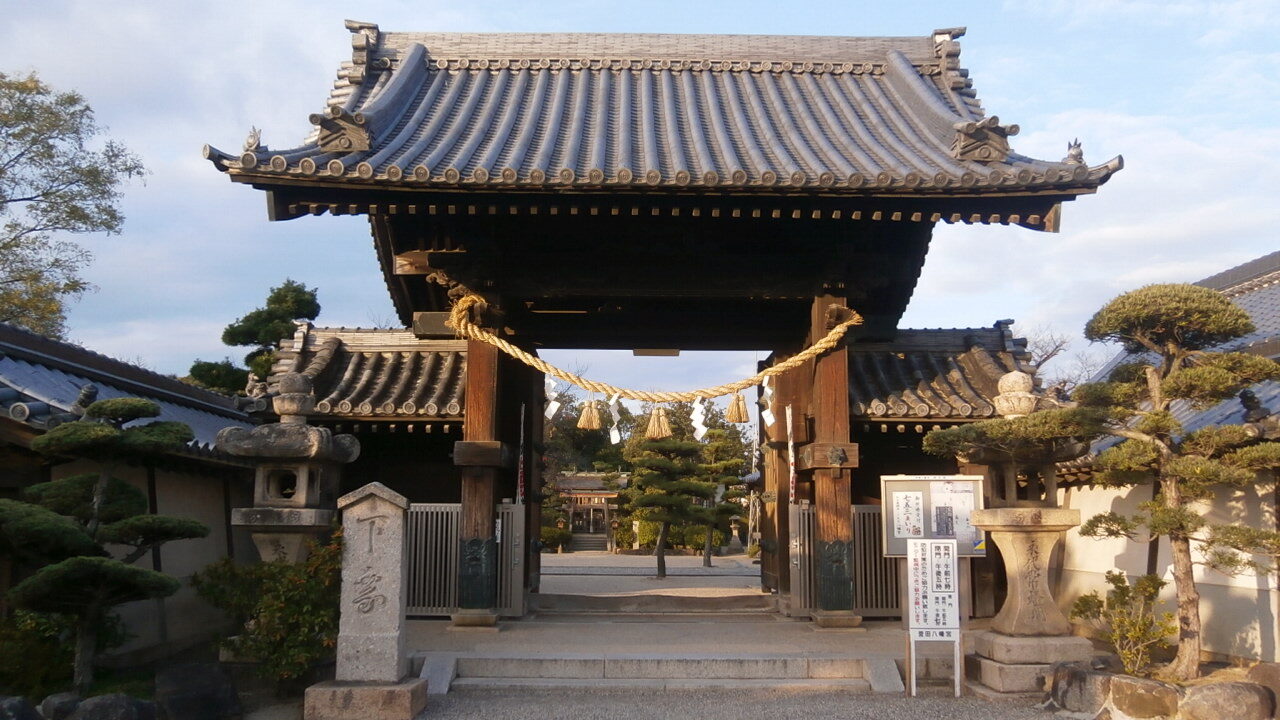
(1186,91)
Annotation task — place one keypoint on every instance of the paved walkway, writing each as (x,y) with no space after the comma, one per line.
(595,704)
(603,574)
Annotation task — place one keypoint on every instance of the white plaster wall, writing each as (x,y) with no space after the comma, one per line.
(193,496)
(1239,614)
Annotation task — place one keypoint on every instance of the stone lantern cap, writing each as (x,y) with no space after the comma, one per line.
(291,438)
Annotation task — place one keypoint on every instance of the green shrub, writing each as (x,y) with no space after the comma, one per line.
(649,534)
(1127,618)
(753,550)
(36,651)
(288,613)
(624,537)
(695,537)
(554,538)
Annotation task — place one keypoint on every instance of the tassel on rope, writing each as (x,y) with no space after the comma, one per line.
(658,427)
(590,418)
(737,412)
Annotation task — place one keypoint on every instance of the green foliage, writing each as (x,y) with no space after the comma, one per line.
(1035,438)
(1128,463)
(1156,317)
(1216,440)
(121,410)
(289,611)
(37,535)
(624,536)
(100,441)
(570,448)
(36,652)
(73,496)
(1110,525)
(1232,544)
(223,376)
(753,550)
(79,585)
(1128,618)
(261,329)
(554,539)
(55,179)
(143,532)
(1265,456)
(1163,520)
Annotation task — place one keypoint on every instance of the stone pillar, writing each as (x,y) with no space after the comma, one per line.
(370,680)
(1029,633)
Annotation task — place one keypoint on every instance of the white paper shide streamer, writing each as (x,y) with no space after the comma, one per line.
(553,405)
(699,416)
(766,399)
(615,414)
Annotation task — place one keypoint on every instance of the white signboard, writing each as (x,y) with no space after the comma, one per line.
(933,599)
(931,507)
(908,514)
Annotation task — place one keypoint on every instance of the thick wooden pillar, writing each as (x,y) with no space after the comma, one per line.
(477,571)
(831,481)
(535,400)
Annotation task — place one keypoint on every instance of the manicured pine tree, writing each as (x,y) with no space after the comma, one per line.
(1171,330)
(721,466)
(96,510)
(664,487)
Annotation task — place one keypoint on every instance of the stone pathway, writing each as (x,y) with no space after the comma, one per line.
(596,704)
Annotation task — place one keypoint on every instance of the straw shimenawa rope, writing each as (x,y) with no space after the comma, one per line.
(460,321)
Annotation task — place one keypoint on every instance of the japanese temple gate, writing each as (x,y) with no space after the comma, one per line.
(699,192)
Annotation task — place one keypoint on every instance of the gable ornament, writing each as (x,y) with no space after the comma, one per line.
(984,140)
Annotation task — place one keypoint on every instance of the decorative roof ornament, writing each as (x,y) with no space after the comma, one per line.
(341,131)
(365,38)
(985,140)
(1075,153)
(253,143)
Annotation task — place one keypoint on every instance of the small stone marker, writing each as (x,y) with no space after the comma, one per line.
(371,682)
(371,628)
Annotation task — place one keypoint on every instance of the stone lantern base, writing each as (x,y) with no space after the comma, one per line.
(1010,664)
(366,700)
(1029,633)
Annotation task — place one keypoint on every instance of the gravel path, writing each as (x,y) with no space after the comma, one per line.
(465,704)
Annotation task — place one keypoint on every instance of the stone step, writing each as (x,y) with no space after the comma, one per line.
(816,685)
(653,604)
(584,541)
(666,670)
(661,667)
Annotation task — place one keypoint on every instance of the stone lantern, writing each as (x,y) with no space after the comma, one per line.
(296,475)
(1030,632)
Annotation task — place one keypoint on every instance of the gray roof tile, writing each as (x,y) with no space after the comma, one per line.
(560,111)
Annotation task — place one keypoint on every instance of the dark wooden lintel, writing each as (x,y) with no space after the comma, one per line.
(484,453)
(827,455)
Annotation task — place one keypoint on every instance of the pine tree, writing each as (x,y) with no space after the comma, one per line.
(1171,330)
(721,470)
(261,329)
(664,488)
(97,510)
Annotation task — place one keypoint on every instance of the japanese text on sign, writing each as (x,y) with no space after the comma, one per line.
(933,589)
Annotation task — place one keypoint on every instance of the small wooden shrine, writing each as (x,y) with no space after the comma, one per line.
(698,192)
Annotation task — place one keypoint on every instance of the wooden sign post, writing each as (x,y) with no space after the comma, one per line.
(933,602)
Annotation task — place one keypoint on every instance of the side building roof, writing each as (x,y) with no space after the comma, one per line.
(41,379)
(377,375)
(941,374)
(743,113)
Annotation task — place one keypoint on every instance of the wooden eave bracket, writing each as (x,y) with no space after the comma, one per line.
(484,453)
(423,262)
(840,456)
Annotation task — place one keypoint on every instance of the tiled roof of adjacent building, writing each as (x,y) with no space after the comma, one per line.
(40,380)
(378,374)
(557,111)
(934,374)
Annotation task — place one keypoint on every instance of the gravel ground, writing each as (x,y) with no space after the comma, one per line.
(463,704)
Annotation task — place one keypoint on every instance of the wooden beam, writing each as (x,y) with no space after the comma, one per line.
(827,455)
(484,453)
(832,492)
